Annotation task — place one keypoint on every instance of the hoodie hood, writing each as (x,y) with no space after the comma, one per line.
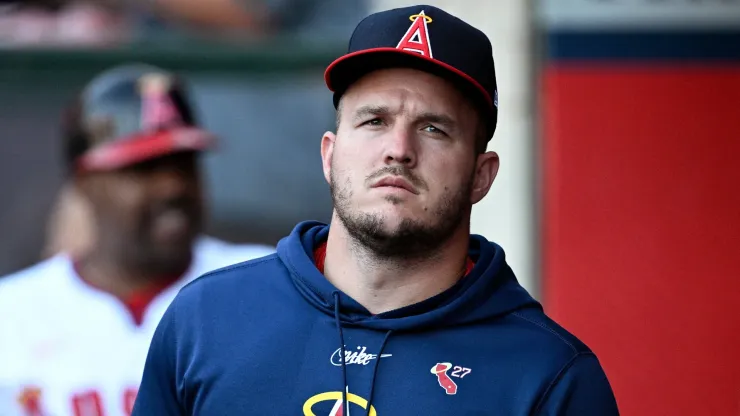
(488,291)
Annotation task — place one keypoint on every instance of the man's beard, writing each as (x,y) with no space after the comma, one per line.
(169,258)
(411,239)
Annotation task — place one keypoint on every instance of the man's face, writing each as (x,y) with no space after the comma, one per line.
(402,167)
(152,211)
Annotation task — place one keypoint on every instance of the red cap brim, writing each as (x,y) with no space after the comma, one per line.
(132,150)
(348,68)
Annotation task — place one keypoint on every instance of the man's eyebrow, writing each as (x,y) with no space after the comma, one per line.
(437,118)
(371,110)
(382,110)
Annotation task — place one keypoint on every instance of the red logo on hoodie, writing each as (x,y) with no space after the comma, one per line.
(440,370)
(445,380)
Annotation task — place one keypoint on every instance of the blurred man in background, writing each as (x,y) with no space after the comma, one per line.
(76,327)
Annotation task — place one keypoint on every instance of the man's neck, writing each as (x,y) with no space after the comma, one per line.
(117,277)
(382,285)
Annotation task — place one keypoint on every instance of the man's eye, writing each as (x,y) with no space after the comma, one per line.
(432,129)
(373,122)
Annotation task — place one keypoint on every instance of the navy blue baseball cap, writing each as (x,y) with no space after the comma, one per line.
(129,114)
(425,38)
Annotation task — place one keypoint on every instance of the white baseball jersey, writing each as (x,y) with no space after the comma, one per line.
(67,348)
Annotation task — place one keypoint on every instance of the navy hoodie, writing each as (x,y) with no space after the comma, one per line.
(267,337)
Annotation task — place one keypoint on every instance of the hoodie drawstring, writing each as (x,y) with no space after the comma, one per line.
(376,365)
(375,372)
(345,405)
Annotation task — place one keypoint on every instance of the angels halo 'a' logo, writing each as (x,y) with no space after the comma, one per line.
(157,109)
(444,380)
(333,405)
(416,38)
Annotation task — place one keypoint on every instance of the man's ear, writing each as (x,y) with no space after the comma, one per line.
(486,169)
(70,226)
(327,151)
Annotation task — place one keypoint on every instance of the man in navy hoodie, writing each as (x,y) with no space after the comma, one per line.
(394,308)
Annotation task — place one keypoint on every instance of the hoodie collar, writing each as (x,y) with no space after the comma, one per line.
(488,290)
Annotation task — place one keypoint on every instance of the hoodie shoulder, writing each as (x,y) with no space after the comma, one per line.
(575,380)
(231,293)
(205,309)
(245,273)
(551,332)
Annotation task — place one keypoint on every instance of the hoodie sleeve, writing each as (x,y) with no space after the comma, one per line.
(158,390)
(581,388)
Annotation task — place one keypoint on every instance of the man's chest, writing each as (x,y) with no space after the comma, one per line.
(410,375)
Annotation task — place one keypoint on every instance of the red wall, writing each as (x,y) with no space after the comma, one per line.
(642,229)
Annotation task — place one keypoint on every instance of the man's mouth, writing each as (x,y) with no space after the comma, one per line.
(171,223)
(395,182)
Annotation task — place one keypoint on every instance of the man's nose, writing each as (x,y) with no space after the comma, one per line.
(401,147)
